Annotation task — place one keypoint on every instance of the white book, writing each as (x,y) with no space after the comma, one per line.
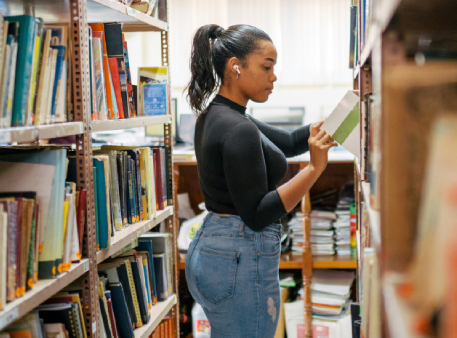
(4,122)
(332,281)
(11,83)
(52,78)
(75,255)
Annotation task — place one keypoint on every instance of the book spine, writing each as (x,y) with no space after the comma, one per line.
(134,294)
(19,241)
(93,93)
(35,68)
(135,204)
(131,100)
(81,218)
(57,80)
(97,224)
(138,186)
(26,43)
(12,251)
(113,66)
(115,206)
(131,207)
(31,258)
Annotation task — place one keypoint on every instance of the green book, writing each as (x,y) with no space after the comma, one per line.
(96,209)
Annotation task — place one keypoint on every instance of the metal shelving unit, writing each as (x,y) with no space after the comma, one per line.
(78,13)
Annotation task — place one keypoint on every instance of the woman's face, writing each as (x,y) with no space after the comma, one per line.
(256,79)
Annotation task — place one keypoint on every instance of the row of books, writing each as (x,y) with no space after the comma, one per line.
(41,220)
(359,28)
(166,329)
(135,281)
(35,72)
(112,94)
(131,184)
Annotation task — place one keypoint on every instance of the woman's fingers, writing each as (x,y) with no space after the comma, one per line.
(315,128)
(320,135)
(326,139)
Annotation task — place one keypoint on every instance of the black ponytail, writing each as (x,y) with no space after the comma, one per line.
(211,48)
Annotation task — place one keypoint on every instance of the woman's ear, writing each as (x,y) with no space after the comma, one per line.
(234,66)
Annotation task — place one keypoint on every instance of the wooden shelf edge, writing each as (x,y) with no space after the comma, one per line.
(142,121)
(374,217)
(42,132)
(321,263)
(128,235)
(158,312)
(40,292)
(130,14)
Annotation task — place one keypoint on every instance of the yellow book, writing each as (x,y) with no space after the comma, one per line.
(136,305)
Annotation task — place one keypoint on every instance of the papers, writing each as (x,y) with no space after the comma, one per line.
(332,282)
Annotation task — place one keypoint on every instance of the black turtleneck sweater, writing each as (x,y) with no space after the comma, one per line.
(241,161)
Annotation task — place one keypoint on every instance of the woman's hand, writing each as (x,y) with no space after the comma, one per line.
(319,144)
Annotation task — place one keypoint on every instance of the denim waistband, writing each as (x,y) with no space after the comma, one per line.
(236,221)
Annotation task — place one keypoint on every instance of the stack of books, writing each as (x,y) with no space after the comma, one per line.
(35,72)
(330,293)
(343,224)
(322,232)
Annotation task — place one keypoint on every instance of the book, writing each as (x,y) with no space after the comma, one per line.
(44,78)
(145,245)
(93,93)
(60,313)
(149,75)
(26,46)
(100,87)
(121,313)
(161,276)
(98,31)
(352,36)
(59,82)
(30,119)
(115,50)
(103,187)
(111,314)
(131,97)
(12,48)
(155,99)
(343,124)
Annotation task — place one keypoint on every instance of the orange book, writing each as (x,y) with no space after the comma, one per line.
(98,30)
(112,62)
(20,332)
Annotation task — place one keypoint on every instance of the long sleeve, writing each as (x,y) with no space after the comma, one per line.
(292,143)
(246,176)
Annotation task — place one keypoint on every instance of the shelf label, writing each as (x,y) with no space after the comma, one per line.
(5,137)
(86,266)
(94,327)
(9,317)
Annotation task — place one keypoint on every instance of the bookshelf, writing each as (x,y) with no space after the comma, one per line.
(141,121)
(390,197)
(35,133)
(77,14)
(40,292)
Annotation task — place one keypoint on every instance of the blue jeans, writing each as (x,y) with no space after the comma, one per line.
(233,273)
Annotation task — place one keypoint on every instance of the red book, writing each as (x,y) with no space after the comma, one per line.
(81,217)
(158,180)
(111,318)
(20,229)
(117,84)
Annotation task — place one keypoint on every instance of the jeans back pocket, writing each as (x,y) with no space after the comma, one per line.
(216,274)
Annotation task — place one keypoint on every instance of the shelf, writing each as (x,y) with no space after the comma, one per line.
(142,121)
(374,217)
(52,11)
(41,291)
(399,315)
(294,261)
(34,133)
(129,234)
(158,312)
(134,21)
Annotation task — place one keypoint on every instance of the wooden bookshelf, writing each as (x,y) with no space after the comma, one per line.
(141,121)
(132,232)
(41,291)
(77,14)
(294,260)
(42,132)
(158,312)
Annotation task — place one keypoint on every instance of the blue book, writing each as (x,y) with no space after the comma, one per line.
(97,225)
(145,244)
(100,188)
(26,48)
(155,100)
(58,79)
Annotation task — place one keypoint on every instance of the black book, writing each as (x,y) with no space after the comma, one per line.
(124,280)
(161,277)
(105,315)
(121,312)
(59,313)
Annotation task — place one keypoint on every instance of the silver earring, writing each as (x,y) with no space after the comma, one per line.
(237,76)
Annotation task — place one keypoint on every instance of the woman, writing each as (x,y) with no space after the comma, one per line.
(232,266)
